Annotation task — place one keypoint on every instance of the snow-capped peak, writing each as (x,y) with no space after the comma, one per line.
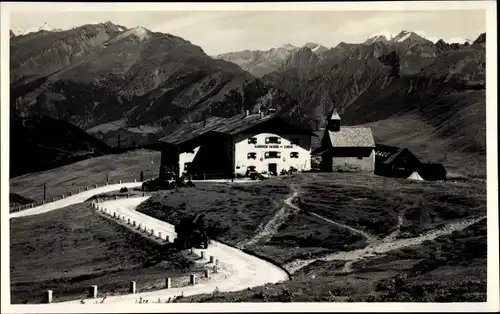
(289,47)
(404,35)
(139,32)
(383,36)
(386,34)
(458,40)
(44,27)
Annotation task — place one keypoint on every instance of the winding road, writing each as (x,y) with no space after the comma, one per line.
(237,270)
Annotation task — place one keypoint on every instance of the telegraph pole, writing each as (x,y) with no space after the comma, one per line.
(152,166)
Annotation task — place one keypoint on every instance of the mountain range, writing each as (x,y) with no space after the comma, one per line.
(137,84)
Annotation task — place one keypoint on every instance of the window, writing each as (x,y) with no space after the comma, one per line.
(252,140)
(251,168)
(294,155)
(187,165)
(273,140)
(294,141)
(272,155)
(251,155)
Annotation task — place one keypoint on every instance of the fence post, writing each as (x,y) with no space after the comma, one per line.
(48,296)
(94,291)
(132,288)
(211,259)
(168,283)
(192,279)
(205,273)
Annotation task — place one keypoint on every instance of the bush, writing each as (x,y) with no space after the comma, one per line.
(123,190)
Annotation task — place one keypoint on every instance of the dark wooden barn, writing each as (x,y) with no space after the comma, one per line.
(432,172)
(397,162)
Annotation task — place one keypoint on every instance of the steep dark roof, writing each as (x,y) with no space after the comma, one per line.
(384,152)
(387,154)
(394,156)
(232,126)
(192,130)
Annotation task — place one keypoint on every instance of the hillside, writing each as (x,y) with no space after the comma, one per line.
(39,143)
(135,78)
(437,90)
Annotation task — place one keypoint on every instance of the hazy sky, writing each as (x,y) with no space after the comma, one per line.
(223,31)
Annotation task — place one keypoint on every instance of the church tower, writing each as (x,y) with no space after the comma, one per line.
(333,123)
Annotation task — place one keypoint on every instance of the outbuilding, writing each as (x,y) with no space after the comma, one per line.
(396,162)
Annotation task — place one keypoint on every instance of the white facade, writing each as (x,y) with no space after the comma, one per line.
(268,152)
(185,158)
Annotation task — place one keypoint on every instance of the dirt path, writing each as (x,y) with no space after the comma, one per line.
(395,233)
(272,226)
(384,247)
(370,238)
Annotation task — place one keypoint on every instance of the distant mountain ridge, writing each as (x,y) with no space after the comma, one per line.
(260,63)
(97,74)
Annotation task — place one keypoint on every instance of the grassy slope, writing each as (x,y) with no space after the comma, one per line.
(372,203)
(368,202)
(69,250)
(456,138)
(126,167)
(303,234)
(233,212)
(451,269)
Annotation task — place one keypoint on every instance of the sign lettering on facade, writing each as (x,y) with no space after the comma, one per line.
(273,146)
